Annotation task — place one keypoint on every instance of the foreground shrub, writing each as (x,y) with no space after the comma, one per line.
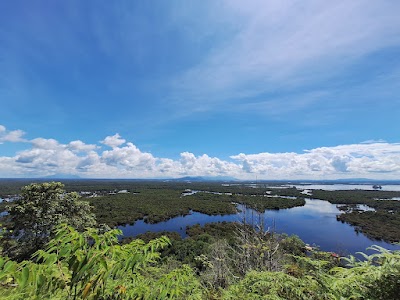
(93,266)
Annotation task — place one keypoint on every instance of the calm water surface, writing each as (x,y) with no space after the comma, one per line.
(340,187)
(315,223)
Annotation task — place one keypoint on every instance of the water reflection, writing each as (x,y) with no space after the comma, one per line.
(318,206)
(177,224)
(340,187)
(315,223)
(394,198)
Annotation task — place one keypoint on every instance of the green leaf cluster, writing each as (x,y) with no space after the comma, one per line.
(40,208)
(90,265)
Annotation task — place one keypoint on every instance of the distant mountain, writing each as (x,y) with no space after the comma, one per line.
(222,179)
(204,178)
(62,176)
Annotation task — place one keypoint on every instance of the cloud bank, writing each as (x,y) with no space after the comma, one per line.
(44,157)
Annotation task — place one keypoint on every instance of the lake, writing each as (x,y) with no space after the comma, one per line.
(341,187)
(315,223)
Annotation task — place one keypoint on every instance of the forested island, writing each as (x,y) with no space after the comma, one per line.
(59,241)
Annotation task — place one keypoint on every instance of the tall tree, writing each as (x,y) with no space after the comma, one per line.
(41,207)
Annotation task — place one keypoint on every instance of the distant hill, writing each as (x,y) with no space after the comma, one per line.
(204,178)
(62,176)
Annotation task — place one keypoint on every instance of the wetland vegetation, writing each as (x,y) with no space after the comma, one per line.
(160,201)
(156,201)
(224,260)
(382,224)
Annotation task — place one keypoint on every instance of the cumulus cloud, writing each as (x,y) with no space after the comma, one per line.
(47,144)
(129,157)
(356,160)
(205,165)
(113,141)
(92,159)
(377,160)
(187,160)
(48,158)
(13,136)
(81,146)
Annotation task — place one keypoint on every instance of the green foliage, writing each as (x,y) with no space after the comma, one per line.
(151,235)
(218,230)
(40,209)
(90,265)
(274,286)
(188,249)
(261,203)
(159,201)
(217,266)
(360,197)
(231,261)
(292,245)
(155,205)
(376,225)
(377,277)
(382,224)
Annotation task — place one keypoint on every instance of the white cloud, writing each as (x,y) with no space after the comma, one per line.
(47,157)
(41,143)
(81,146)
(205,165)
(187,160)
(13,136)
(377,160)
(357,160)
(129,157)
(373,141)
(113,141)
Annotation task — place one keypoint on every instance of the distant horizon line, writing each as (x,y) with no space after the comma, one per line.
(208,179)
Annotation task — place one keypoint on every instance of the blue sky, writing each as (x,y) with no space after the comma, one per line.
(143,89)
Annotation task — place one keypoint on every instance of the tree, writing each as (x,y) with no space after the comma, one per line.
(40,208)
(257,248)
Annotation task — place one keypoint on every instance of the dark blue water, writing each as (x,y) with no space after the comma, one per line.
(315,223)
